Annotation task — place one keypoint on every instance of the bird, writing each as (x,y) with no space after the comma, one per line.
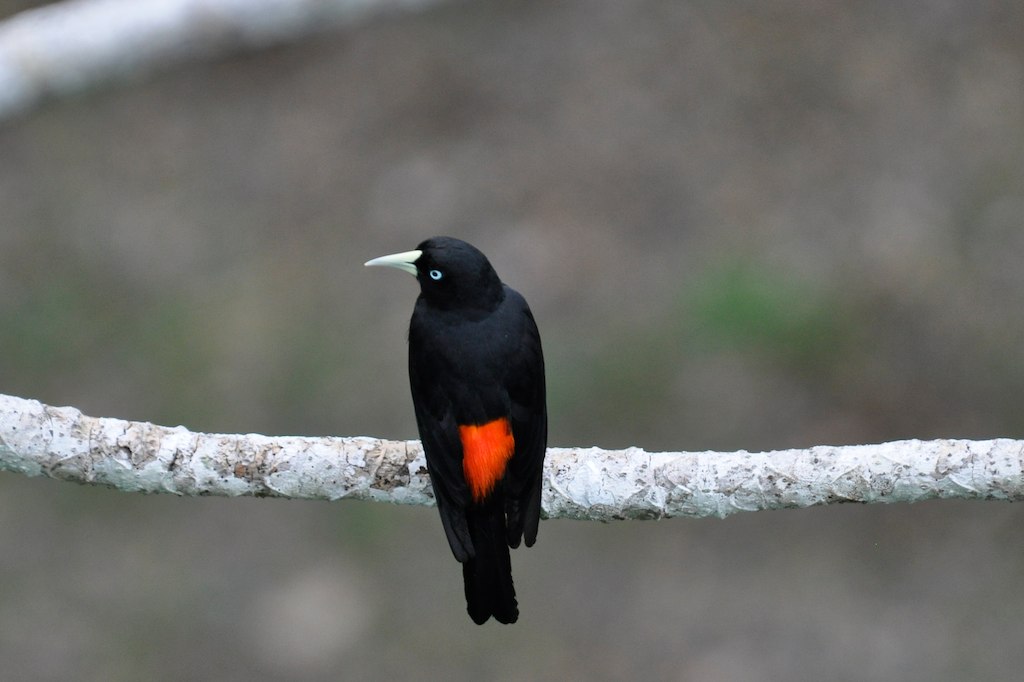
(476,372)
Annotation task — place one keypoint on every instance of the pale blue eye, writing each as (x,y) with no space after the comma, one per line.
(435,275)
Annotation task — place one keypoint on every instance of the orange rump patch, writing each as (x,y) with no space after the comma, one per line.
(486,450)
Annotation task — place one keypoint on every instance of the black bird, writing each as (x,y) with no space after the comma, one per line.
(477,375)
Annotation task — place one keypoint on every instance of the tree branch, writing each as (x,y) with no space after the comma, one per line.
(69,46)
(579,483)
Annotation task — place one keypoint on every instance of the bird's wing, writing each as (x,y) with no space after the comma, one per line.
(530,429)
(439,434)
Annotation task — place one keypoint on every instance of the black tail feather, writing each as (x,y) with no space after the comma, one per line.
(488,576)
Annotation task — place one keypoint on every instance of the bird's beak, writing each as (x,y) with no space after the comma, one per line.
(403,261)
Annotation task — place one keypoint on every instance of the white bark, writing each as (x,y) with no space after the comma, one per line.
(580,483)
(69,46)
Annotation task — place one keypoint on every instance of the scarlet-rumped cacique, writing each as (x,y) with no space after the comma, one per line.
(477,375)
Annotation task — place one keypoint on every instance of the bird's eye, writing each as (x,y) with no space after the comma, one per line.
(436,275)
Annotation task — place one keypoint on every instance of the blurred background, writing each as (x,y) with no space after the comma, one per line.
(739,225)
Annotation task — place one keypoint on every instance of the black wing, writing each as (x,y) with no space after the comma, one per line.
(526,390)
(439,434)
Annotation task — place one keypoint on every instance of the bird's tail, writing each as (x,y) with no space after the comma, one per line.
(488,574)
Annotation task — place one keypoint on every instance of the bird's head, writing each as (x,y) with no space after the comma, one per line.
(451,273)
